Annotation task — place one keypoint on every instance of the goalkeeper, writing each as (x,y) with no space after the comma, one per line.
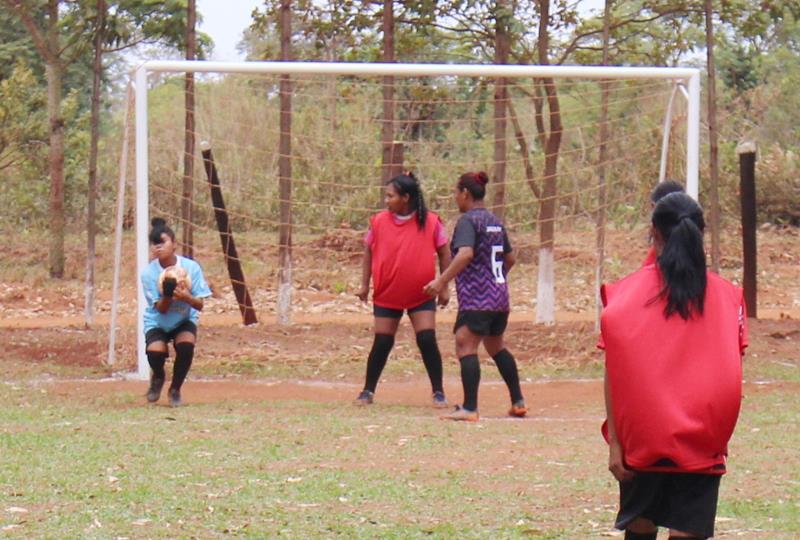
(174,288)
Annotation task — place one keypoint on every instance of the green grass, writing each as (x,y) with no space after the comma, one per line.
(107,466)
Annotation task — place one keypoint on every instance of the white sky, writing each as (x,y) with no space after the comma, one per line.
(224,21)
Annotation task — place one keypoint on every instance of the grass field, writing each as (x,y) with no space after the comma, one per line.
(270,446)
(86,458)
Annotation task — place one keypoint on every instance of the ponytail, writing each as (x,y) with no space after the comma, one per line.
(679,220)
(407,184)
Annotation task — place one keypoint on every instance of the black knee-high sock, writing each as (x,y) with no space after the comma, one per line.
(381,348)
(156,359)
(470,379)
(630,535)
(431,357)
(508,370)
(184,352)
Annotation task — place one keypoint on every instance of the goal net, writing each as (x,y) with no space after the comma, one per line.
(572,154)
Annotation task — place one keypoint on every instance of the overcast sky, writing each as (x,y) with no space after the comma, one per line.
(225,20)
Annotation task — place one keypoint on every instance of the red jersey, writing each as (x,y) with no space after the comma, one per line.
(651,257)
(675,384)
(403,259)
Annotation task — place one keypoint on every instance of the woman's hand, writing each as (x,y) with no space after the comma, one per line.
(182,293)
(434,288)
(444,297)
(363,293)
(616,462)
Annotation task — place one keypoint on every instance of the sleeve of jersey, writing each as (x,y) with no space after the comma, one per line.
(601,343)
(151,294)
(200,288)
(440,234)
(744,339)
(464,234)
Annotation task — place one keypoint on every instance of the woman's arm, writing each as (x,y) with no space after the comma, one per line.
(616,457)
(184,295)
(459,262)
(366,274)
(445,258)
(509,259)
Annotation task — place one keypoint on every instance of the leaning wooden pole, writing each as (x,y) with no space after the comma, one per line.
(226,237)
(747,189)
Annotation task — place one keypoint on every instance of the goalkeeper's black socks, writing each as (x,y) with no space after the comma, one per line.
(184,352)
(156,359)
(470,379)
(431,357)
(630,535)
(381,348)
(508,370)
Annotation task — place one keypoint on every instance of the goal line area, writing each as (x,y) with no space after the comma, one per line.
(301,151)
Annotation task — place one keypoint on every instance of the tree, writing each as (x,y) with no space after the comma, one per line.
(58,48)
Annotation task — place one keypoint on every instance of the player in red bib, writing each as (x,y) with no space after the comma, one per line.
(673,334)
(400,255)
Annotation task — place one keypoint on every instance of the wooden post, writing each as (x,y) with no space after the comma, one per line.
(747,191)
(387,127)
(226,237)
(396,157)
(187,193)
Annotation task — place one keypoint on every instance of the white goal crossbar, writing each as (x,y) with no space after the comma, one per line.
(687,78)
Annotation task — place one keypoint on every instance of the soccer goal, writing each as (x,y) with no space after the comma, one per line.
(291,157)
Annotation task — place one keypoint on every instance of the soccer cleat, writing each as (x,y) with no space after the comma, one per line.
(365,398)
(518,409)
(461,415)
(174,397)
(154,392)
(439,401)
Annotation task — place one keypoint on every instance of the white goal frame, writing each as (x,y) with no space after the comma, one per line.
(688,79)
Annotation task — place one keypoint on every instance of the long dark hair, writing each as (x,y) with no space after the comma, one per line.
(407,184)
(159,227)
(679,220)
(664,188)
(475,183)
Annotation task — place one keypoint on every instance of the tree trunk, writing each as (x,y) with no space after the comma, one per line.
(285,172)
(387,127)
(501,51)
(54,73)
(187,198)
(91,195)
(712,135)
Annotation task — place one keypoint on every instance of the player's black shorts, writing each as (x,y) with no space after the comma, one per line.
(390,313)
(159,334)
(482,323)
(682,501)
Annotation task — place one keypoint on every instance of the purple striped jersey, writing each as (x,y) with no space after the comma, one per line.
(482,286)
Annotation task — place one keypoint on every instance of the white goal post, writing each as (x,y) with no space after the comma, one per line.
(685,79)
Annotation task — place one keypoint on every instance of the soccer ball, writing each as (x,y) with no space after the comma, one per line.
(178,273)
